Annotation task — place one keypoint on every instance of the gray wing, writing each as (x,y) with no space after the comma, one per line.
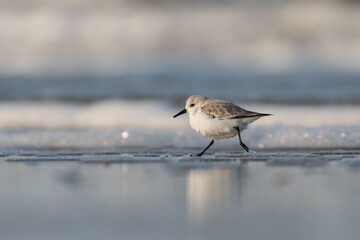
(226,110)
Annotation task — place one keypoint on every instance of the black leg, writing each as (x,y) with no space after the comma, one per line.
(241,143)
(211,143)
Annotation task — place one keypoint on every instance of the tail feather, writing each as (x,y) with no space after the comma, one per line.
(252,116)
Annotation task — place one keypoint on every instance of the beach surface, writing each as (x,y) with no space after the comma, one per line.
(112,193)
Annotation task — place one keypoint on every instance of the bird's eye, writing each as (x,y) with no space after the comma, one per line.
(191,105)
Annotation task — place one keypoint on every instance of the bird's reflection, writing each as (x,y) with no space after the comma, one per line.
(211,191)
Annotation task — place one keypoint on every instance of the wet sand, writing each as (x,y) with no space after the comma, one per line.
(165,194)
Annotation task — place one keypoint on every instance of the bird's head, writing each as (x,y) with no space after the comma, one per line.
(193,103)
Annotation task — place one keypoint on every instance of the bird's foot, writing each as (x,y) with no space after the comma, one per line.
(245,147)
(196,155)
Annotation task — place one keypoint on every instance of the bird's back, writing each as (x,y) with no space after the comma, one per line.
(223,110)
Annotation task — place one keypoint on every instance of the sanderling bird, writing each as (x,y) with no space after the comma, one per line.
(217,119)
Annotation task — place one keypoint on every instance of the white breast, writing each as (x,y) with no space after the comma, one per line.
(213,127)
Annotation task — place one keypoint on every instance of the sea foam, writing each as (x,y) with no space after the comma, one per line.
(122,123)
(157,115)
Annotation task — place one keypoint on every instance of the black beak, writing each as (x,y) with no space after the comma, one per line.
(181,112)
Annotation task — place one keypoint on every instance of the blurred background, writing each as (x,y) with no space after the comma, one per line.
(277,51)
(107,64)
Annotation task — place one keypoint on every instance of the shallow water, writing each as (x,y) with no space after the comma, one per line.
(166,194)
